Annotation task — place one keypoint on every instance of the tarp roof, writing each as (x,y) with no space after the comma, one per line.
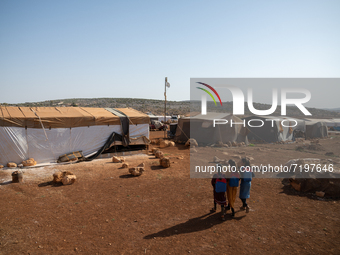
(65,117)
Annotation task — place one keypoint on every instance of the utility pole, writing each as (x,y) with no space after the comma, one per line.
(167,84)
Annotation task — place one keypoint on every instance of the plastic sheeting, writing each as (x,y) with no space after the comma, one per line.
(18,144)
(65,117)
(201,129)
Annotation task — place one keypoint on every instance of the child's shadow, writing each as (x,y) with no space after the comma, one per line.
(193,225)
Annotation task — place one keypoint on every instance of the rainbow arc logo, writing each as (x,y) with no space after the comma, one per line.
(209,93)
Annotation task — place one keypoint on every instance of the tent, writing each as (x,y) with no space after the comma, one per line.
(200,127)
(274,129)
(316,129)
(45,133)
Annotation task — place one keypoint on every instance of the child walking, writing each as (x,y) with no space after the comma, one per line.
(219,182)
(246,178)
(232,181)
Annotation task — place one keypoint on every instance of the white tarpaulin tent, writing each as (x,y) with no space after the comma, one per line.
(274,129)
(45,133)
(200,127)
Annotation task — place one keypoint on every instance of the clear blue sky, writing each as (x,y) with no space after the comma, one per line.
(83,49)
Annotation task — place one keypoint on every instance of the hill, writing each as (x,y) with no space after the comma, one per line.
(173,107)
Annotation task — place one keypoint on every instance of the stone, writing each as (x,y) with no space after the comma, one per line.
(219,144)
(136,171)
(154,150)
(17,176)
(141,165)
(59,176)
(163,144)
(191,142)
(125,165)
(216,160)
(164,162)
(180,157)
(295,184)
(29,162)
(1,166)
(172,144)
(250,158)
(320,193)
(69,179)
(234,144)
(11,164)
(236,156)
(159,154)
(117,159)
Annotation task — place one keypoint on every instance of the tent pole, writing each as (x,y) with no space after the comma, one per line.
(166,80)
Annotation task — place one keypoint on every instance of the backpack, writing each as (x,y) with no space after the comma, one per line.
(233,181)
(221,185)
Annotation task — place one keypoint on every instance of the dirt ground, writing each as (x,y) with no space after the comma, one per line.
(164,211)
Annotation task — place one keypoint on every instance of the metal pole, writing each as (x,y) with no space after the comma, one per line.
(166,80)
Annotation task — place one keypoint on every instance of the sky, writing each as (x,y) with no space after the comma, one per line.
(88,49)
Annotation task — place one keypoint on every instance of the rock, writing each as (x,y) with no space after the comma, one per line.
(29,162)
(250,158)
(11,164)
(172,144)
(118,159)
(219,144)
(154,150)
(1,166)
(58,176)
(193,150)
(229,144)
(21,165)
(191,142)
(159,154)
(69,179)
(320,193)
(226,153)
(164,162)
(295,184)
(180,157)
(329,153)
(141,165)
(163,144)
(234,144)
(125,165)
(236,156)
(216,160)
(17,176)
(136,171)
